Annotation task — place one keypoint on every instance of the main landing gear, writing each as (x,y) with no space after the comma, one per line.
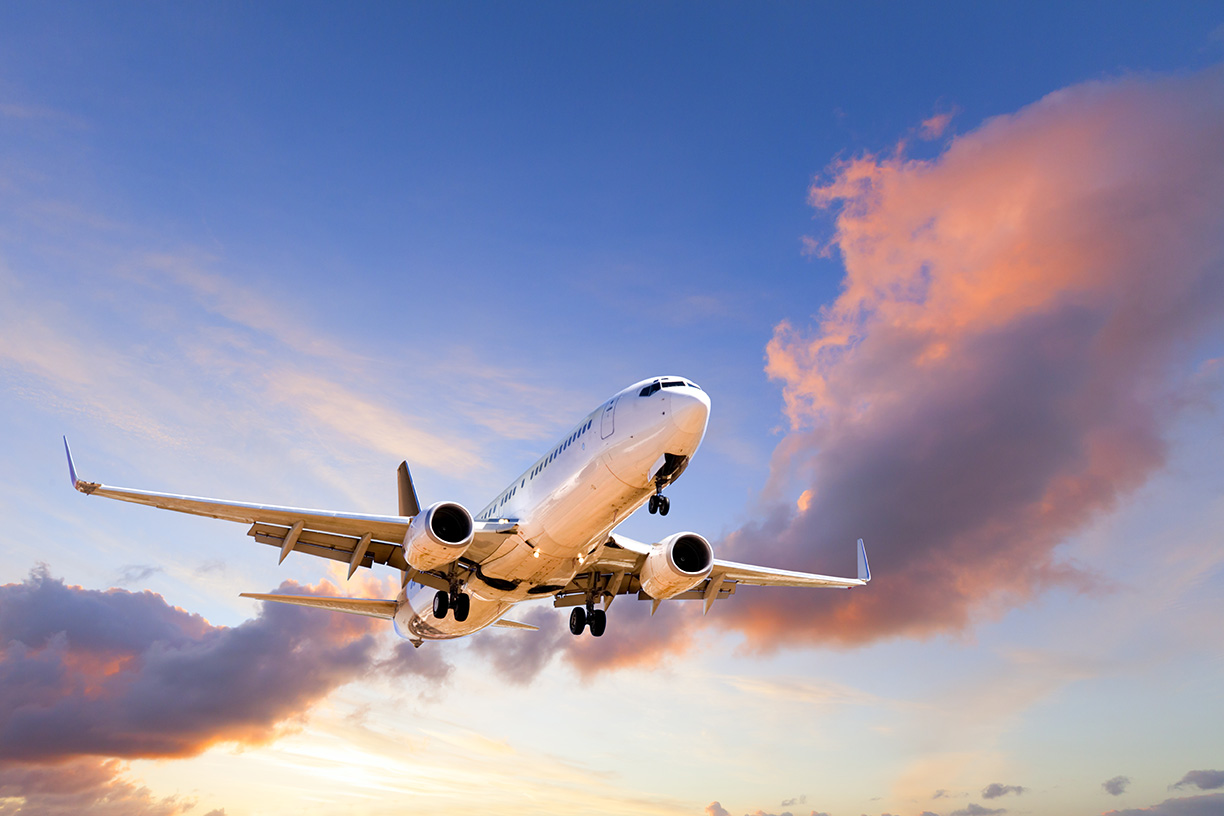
(445,601)
(580,618)
(659,504)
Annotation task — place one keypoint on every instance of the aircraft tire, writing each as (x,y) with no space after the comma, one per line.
(577,620)
(441,604)
(463,605)
(664,505)
(653,505)
(598,622)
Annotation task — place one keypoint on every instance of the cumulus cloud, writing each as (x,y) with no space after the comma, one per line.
(995,790)
(1211,805)
(1116,786)
(1203,780)
(124,674)
(1018,320)
(1018,326)
(716,809)
(89,677)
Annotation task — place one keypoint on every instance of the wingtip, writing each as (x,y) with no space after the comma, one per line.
(71,467)
(864,569)
(78,483)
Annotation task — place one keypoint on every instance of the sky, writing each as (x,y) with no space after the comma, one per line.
(952,274)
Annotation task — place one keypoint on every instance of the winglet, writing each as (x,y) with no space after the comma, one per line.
(77,482)
(864,570)
(71,467)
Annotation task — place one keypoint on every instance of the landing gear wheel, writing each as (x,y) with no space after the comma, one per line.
(577,620)
(664,505)
(441,604)
(462,606)
(653,506)
(598,621)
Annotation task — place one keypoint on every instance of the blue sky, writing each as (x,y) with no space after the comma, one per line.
(266,252)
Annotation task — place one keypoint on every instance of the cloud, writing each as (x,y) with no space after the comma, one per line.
(92,786)
(1211,805)
(88,678)
(1116,786)
(1203,780)
(429,664)
(974,809)
(716,809)
(519,656)
(91,677)
(1018,319)
(935,126)
(995,790)
(136,573)
(124,674)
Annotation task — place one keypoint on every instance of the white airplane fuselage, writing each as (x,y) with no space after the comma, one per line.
(568,503)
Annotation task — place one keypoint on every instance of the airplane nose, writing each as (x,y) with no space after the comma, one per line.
(690,410)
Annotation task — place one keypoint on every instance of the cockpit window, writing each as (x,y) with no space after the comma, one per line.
(650,389)
(674,383)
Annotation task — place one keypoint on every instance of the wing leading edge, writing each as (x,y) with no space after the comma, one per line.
(359,538)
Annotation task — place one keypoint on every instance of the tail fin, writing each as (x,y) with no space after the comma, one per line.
(864,569)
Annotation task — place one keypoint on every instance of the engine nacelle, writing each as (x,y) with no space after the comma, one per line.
(676,564)
(437,536)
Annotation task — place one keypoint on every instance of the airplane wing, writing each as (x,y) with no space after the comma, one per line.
(370,607)
(359,539)
(623,557)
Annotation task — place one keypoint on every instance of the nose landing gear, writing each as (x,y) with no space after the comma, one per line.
(659,504)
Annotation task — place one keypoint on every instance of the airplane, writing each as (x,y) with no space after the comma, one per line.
(549,534)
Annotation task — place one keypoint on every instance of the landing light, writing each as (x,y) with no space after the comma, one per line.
(535,554)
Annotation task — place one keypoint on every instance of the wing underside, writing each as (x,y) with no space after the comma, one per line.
(618,572)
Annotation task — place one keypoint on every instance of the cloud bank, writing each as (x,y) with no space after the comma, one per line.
(89,677)
(1018,325)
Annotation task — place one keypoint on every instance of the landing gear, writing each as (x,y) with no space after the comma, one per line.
(462,606)
(441,604)
(659,504)
(598,621)
(444,602)
(578,620)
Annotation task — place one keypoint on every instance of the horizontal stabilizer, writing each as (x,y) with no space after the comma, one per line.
(356,606)
(509,624)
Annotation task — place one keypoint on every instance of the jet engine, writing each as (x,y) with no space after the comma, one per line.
(676,564)
(437,536)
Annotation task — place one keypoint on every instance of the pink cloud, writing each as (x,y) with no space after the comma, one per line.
(1017,320)
(936,125)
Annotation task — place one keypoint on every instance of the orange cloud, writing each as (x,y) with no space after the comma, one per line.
(1017,321)
(123,674)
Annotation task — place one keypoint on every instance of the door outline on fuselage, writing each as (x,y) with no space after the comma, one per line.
(607,423)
